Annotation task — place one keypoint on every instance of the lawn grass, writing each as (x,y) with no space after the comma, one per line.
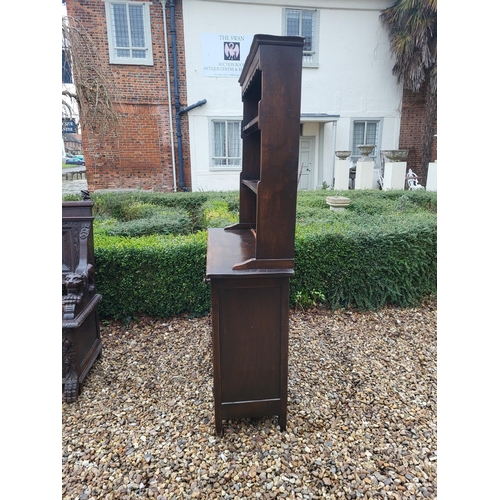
(70,166)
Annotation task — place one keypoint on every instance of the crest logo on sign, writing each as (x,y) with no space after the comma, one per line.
(231,51)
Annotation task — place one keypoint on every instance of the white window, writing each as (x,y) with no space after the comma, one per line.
(129,32)
(226,144)
(301,22)
(365,132)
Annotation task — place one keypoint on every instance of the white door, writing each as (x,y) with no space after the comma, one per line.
(306,163)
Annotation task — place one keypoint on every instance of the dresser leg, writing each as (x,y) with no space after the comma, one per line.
(282,422)
(218,426)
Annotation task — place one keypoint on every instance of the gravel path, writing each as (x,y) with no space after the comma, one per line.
(361,421)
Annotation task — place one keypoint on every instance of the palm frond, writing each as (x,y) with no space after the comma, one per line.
(412,29)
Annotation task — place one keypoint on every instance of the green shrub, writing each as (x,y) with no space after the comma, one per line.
(369,201)
(306,300)
(140,210)
(381,250)
(128,205)
(161,276)
(216,214)
(71,197)
(116,204)
(165,222)
(383,260)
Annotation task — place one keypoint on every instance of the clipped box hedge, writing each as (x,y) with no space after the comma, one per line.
(381,250)
(387,260)
(156,275)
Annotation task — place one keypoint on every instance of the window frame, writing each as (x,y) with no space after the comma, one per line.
(228,167)
(314,53)
(67,70)
(376,151)
(148,46)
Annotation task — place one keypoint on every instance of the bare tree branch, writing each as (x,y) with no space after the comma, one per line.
(93,80)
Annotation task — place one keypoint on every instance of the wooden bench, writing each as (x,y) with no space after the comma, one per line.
(81,341)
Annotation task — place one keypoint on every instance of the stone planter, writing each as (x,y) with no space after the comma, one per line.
(337,202)
(365,149)
(342,155)
(396,154)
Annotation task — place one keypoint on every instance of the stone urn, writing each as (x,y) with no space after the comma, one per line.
(396,154)
(337,202)
(342,155)
(366,149)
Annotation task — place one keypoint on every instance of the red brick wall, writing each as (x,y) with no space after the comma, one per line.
(412,123)
(138,154)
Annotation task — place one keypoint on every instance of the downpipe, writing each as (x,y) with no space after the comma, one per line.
(178,110)
(189,108)
(173,37)
(169,96)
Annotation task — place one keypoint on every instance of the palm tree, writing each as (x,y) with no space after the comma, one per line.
(412,29)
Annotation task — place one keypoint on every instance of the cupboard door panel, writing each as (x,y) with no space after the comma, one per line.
(250,343)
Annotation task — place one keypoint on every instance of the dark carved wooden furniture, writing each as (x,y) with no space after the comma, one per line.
(81,341)
(249,264)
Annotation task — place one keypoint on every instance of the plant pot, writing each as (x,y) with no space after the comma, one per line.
(396,154)
(342,155)
(366,149)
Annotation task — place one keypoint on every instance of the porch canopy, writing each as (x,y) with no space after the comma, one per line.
(318,117)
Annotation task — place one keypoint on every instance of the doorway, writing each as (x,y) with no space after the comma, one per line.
(306,163)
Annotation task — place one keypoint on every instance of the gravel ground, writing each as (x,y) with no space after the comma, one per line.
(361,421)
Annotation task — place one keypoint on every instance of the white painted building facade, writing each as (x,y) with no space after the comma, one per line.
(349,95)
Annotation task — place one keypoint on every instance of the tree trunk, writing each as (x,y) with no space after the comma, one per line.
(428,130)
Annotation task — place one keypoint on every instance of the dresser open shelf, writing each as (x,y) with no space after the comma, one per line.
(271,86)
(249,264)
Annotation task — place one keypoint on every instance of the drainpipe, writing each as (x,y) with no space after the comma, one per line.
(163,3)
(173,37)
(178,109)
(189,108)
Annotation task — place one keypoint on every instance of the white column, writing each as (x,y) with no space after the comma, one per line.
(364,173)
(394,175)
(432,177)
(342,174)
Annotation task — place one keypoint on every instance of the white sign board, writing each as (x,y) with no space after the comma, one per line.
(223,55)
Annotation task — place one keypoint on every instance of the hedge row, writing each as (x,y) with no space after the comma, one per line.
(382,250)
(157,275)
(387,260)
